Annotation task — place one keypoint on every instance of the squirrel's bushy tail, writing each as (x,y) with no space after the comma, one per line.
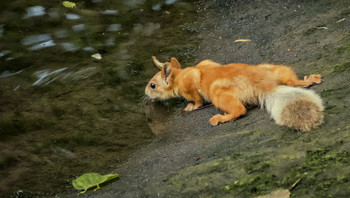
(294,107)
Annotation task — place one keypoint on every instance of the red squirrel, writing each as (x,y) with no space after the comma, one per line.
(230,87)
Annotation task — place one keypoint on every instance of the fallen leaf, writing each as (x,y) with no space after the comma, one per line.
(97,56)
(341,20)
(68,4)
(90,180)
(242,40)
(321,28)
(280,193)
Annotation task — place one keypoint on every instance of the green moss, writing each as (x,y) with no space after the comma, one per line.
(256,166)
(342,49)
(321,169)
(335,97)
(324,172)
(256,184)
(257,180)
(318,170)
(341,67)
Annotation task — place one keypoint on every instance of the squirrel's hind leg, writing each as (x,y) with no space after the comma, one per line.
(232,107)
(288,77)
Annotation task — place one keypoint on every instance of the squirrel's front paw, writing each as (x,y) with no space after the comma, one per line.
(190,107)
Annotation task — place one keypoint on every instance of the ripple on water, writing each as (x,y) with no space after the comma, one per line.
(35,11)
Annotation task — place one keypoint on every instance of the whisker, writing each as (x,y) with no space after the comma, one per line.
(143,101)
(152,108)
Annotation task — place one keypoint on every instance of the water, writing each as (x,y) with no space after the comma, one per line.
(71,83)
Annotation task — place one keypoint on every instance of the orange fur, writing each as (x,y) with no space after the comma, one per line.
(229,87)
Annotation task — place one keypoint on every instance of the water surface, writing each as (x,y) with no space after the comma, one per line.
(71,83)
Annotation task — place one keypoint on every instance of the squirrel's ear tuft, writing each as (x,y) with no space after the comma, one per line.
(166,72)
(175,63)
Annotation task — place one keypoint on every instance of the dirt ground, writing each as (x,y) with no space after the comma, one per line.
(253,156)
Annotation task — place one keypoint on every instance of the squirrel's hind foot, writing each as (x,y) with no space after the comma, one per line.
(313,79)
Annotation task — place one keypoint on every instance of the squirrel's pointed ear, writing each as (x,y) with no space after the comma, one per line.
(174,63)
(166,72)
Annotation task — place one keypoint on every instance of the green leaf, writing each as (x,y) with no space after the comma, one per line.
(89,180)
(68,4)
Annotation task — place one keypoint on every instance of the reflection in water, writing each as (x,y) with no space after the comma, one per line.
(109,42)
(156,7)
(29,40)
(6,73)
(69,47)
(109,12)
(148,29)
(42,40)
(65,152)
(71,16)
(46,77)
(88,49)
(71,81)
(170,2)
(61,34)
(42,45)
(5,52)
(114,27)
(79,27)
(53,13)
(35,11)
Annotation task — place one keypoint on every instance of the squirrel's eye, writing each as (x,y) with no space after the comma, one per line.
(153,86)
